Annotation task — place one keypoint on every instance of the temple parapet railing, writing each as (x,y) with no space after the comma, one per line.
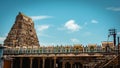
(54,50)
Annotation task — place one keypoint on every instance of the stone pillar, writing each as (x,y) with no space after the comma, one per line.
(43,65)
(82,65)
(63,64)
(50,63)
(12,63)
(21,61)
(78,65)
(71,64)
(119,59)
(38,62)
(75,66)
(54,62)
(31,59)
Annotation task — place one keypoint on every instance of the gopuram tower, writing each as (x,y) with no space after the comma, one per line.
(22,33)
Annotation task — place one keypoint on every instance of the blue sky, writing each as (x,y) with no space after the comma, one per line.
(65,22)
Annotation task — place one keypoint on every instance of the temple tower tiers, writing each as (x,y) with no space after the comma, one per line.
(22,32)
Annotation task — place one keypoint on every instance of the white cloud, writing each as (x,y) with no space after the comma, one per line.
(74,40)
(2,39)
(42,27)
(72,26)
(94,21)
(42,34)
(40,17)
(114,8)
